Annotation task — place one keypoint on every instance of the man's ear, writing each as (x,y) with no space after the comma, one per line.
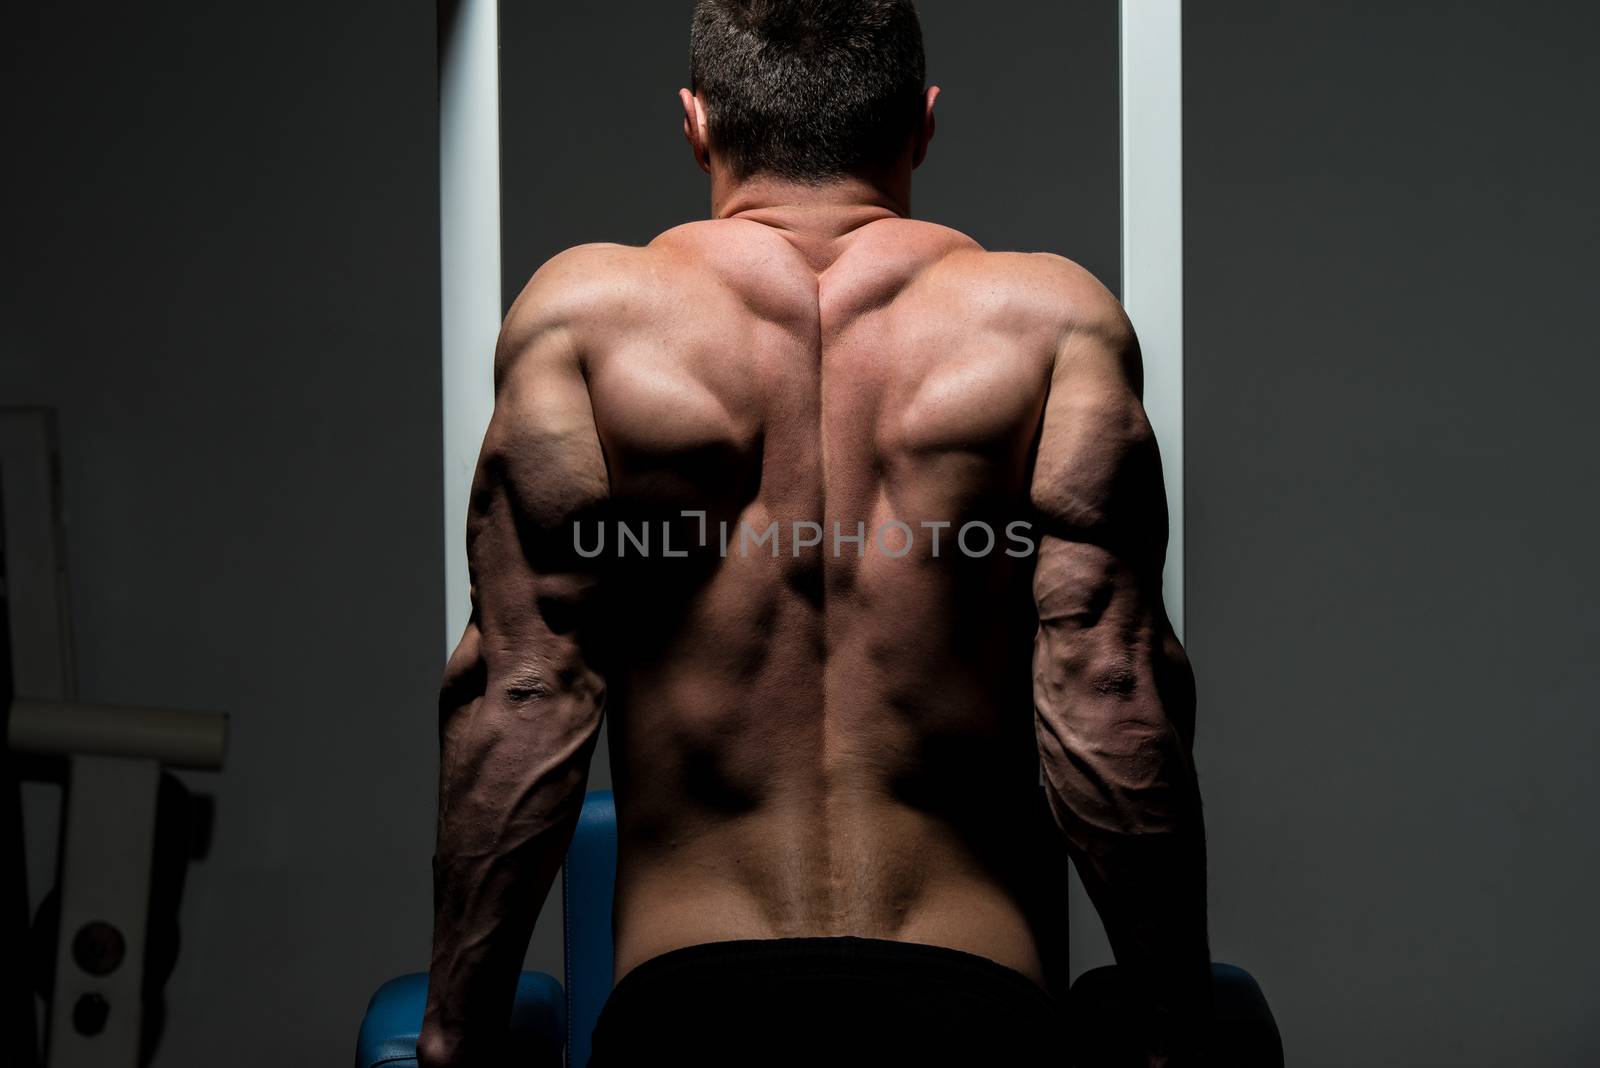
(919,151)
(694,128)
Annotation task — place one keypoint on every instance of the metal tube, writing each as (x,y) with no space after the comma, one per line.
(1151,43)
(469,262)
(172,737)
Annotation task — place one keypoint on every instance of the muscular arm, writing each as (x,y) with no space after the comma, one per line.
(521,702)
(1113,693)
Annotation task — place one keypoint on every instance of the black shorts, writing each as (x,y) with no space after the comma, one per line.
(825,1001)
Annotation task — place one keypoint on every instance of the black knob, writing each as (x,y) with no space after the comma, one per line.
(89,1014)
(98,948)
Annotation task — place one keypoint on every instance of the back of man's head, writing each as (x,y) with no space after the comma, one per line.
(808,90)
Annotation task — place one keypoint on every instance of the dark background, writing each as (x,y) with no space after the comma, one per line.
(222,271)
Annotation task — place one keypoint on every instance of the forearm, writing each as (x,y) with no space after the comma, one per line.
(1150,892)
(1116,728)
(485,907)
(512,781)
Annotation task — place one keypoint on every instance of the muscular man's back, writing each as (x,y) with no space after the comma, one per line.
(822,727)
(844,529)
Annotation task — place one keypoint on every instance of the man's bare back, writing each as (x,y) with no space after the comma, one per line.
(826,740)
(813,738)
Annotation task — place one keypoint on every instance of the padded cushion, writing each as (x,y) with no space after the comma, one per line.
(394,1019)
(1245,1035)
(588,880)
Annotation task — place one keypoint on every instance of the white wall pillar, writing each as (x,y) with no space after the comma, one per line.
(1152,237)
(1151,60)
(469,260)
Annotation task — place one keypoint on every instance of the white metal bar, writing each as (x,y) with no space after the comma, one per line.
(1151,60)
(105,879)
(469,261)
(37,600)
(177,738)
(1151,43)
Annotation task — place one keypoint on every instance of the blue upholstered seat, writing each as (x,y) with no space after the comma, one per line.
(550,1017)
(394,1017)
(587,882)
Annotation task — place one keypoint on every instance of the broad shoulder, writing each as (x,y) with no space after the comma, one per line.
(570,296)
(1042,286)
(602,283)
(1056,301)
(579,281)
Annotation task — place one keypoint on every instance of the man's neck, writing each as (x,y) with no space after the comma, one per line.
(814,217)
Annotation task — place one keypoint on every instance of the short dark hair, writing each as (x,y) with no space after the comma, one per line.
(808,89)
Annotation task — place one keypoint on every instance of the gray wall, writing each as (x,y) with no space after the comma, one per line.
(1392,239)
(221,269)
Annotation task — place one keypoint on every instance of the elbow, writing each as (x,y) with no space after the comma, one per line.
(1126,813)
(1149,789)
(465,676)
(1174,682)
